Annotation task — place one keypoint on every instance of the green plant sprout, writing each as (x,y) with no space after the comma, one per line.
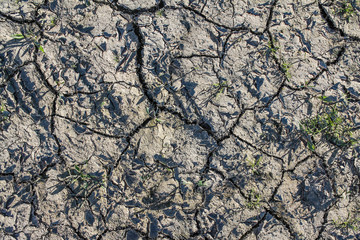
(3,115)
(53,21)
(116,58)
(160,13)
(331,125)
(311,145)
(220,87)
(285,67)
(254,164)
(271,47)
(346,10)
(30,36)
(348,223)
(153,115)
(254,200)
(145,177)
(201,183)
(325,99)
(82,182)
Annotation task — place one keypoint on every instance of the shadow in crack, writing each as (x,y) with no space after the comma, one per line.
(14,50)
(315,191)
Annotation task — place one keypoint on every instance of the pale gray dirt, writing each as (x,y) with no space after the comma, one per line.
(178,119)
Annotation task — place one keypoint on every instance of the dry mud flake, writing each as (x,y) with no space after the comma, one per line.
(158,178)
(27,145)
(345,15)
(169,119)
(233,14)
(20,9)
(301,202)
(204,84)
(304,43)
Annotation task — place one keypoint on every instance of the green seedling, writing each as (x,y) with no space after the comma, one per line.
(145,177)
(3,116)
(160,13)
(18,36)
(59,83)
(116,58)
(325,99)
(220,87)
(330,125)
(83,182)
(348,223)
(201,183)
(285,67)
(272,48)
(31,37)
(153,115)
(254,164)
(53,21)
(311,145)
(254,200)
(346,10)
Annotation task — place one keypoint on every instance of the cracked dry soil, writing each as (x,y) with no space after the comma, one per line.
(179,119)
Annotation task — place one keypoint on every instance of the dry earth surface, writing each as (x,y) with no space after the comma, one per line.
(179,119)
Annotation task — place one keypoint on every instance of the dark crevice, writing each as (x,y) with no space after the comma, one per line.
(90,129)
(196,55)
(140,63)
(299,163)
(198,232)
(81,92)
(328,19)
(16,20)
(327,173)
(270,19)
(128,140)
(43,78)
(207,164)
(11,73)
(236,29)
(240,189)
(324,221)
(272,197)
(278,217)
(77,232)
(254,227)
(257,148)
(218,172)
(124,9)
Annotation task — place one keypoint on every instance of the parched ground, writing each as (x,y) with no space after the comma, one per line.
(179,119)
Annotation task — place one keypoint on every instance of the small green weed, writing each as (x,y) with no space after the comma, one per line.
(3,114)
(254,200)
(348,223)
(30,36)
(254,163)
(201,183)
(53,21)
(160,13)
(285,67)
(345,10)
(220,87)
(331,125)
(81,182)
(145,177)
(272,48)
(153,114)
(116,58)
